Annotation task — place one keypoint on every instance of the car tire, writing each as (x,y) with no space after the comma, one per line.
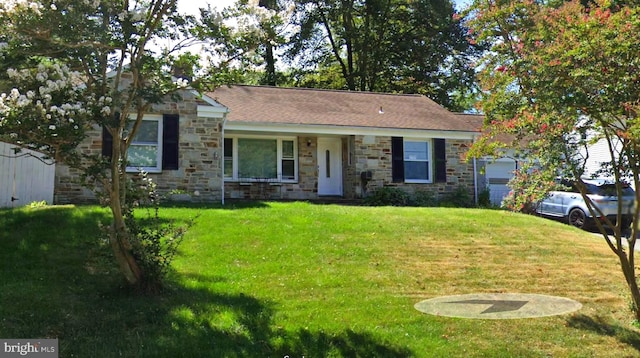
(577,218)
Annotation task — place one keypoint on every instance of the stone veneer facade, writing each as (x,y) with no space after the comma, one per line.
(199,173)
(374,154)
(360,154)
(200,158)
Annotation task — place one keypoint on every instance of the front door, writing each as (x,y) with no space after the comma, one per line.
(330,166)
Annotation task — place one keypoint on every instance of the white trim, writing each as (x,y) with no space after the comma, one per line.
(321,130)
(212,111)
(430,160)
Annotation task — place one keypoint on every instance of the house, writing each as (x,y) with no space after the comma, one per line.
(254,142)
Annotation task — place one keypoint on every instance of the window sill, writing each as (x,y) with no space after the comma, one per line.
(146,170)
(418,182)
(273,182)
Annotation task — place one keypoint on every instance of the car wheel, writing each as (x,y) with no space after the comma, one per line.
(577,218)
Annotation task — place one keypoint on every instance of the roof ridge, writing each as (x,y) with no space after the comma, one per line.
(328,90)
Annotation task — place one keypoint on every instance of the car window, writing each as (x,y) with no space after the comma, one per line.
(609,190)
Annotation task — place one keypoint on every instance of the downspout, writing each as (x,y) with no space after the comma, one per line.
(224,121)
(475,180)
(475,176)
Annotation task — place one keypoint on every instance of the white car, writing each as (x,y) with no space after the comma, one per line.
(570,206)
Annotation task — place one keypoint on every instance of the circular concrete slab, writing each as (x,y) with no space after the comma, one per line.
(498,306)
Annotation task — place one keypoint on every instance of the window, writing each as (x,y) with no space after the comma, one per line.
(418,160)
(288,160)
(155,146)
(254,158)
(228,158)
(145,151)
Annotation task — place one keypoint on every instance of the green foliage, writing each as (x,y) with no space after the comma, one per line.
(154,240)
(388,196)
(75,66)
(484,198)
(423,198)
(384,46)
(392,196)
(459,198)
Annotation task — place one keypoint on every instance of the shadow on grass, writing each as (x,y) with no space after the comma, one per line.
(52,288)
(600,326)
(234,204)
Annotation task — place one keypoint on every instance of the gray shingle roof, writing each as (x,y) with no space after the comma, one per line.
(275,105)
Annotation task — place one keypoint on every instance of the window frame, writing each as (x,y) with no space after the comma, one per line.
(279,159)
(430,160)
(158,168)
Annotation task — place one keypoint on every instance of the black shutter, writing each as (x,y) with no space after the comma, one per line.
(107,143)
(107,138)
(170,141)
(440,157)
(397,159)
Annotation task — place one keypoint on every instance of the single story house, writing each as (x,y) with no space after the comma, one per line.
(256,142)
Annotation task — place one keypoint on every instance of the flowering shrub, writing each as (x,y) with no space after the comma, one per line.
(49,111)
(527,189)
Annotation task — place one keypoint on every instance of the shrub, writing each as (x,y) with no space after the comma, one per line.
(154,241)
(484,198)
(424,199)
(460,198)
(388,196)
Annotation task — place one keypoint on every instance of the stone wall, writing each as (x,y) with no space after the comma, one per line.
(373,153)
(199,173)
(305,189)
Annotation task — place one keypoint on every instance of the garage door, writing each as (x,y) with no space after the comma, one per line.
(498,175)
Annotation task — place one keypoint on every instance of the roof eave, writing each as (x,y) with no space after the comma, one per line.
(290,128)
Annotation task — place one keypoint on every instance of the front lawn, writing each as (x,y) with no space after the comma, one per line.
(297,279)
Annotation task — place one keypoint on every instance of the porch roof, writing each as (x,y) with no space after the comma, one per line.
(300,106)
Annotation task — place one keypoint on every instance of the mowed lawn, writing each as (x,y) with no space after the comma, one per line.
(298,279)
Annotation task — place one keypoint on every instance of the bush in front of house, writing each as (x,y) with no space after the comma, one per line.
(460,198)
(392,196)
(388,196)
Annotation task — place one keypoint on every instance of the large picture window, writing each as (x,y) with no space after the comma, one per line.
(260,158)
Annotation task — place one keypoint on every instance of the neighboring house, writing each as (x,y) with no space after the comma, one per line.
(252,142)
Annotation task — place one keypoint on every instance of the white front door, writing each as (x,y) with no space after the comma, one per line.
(329,166)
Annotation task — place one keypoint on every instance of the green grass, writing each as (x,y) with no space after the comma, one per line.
(276,279)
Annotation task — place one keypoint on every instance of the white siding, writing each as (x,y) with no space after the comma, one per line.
(24,177)
(598,154)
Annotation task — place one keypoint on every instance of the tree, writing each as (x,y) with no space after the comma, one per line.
(80,64)
(559,77)
(384,45)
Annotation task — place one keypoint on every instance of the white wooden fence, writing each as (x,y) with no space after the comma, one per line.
(24,178)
